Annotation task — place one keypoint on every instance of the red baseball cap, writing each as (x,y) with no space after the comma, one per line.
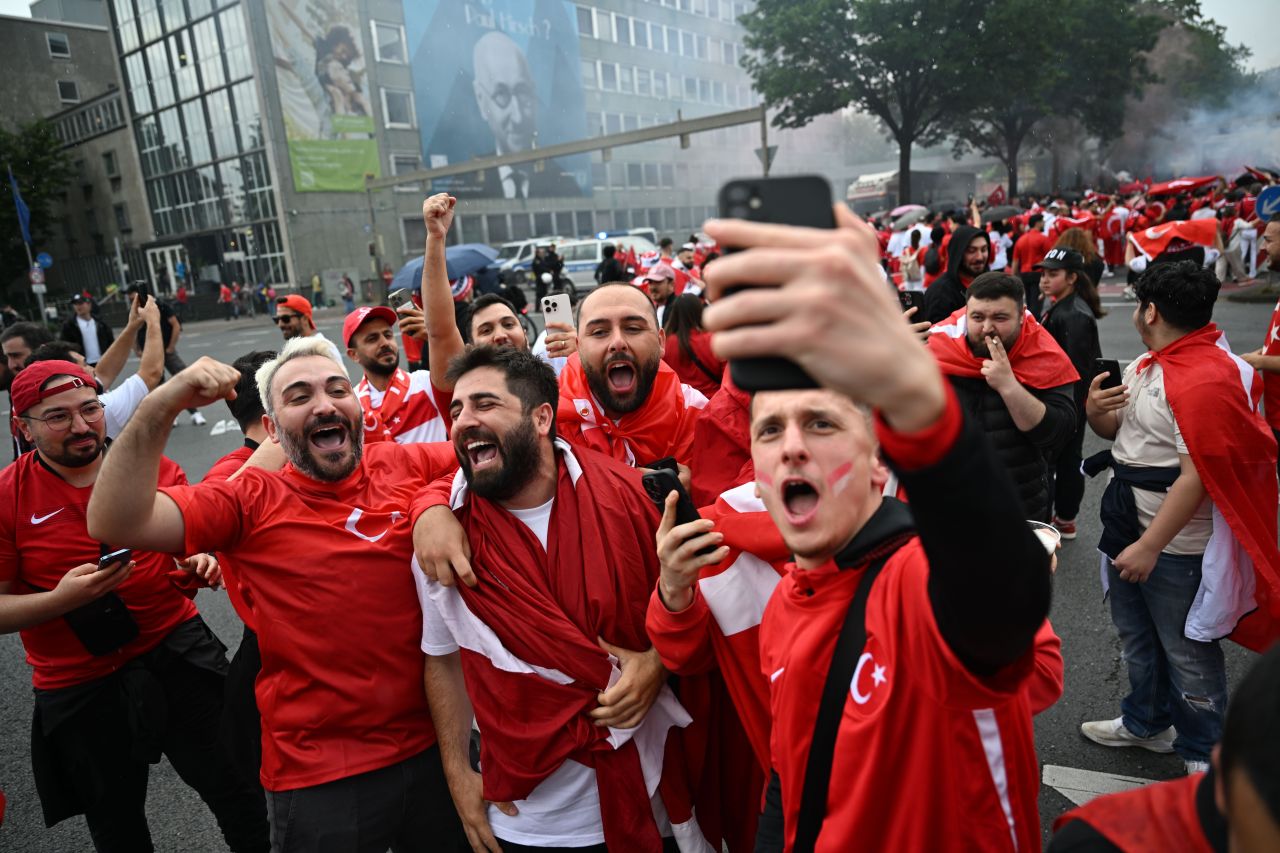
(294,302)
(26,392)
(360,316)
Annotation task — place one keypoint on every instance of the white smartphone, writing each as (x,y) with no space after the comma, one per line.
(400,299)
(555,309)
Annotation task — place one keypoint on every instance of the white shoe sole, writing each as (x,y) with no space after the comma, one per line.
(1164,747)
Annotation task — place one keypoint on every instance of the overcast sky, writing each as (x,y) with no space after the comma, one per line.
(1251,22)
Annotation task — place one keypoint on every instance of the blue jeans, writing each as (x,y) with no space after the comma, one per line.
(1172,680)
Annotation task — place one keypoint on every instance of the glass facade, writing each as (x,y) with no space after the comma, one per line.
(188,77)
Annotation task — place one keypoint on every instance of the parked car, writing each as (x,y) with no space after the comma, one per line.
(515,260)
(581,257)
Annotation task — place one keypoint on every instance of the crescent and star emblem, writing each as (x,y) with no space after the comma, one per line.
(878,677)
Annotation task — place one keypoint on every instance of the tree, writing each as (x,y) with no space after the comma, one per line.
(1069,71)
(910,63)
(43,170)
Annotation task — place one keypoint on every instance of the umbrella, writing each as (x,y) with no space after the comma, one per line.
(905,208)
(1000,212)
(911,217)
(467,259)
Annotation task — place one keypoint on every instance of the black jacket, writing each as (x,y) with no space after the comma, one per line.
(610,269)
(947,293)
(1025,455)
(1073,326)
(71,333)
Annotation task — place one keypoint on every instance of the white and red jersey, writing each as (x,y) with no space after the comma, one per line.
(43,535)
(411,411)
(915,720)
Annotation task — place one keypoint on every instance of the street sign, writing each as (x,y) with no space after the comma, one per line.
(44,260)
(35,275)
(39,289)
(180,270)
(1268,204)
(765,155)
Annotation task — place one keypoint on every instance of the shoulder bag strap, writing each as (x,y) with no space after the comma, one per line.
(817,774)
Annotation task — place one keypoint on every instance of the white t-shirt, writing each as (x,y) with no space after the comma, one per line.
(89,334)
(119,404)
(1149,436)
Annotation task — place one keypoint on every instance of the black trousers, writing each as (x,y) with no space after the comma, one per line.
(95,743)
(405,807)
(1068,482)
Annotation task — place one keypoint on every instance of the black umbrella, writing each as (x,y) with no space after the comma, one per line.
(1000,212)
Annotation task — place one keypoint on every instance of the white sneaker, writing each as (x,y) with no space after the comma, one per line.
(1194,767)
(198,419)
(1114,733)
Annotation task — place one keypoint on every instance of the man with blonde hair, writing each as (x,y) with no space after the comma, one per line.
(349,760)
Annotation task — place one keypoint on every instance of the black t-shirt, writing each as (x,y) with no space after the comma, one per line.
(166,330)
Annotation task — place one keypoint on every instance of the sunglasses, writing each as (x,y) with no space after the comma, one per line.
(281,319)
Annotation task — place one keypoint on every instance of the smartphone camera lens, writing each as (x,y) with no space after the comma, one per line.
(737,194)
(755,203)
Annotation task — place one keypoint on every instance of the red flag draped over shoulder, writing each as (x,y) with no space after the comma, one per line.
(663,426)
(1036,358)
(1271,379)
(545,611)
(1155,239)
(1214,397)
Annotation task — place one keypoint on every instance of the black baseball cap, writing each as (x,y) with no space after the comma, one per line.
(1062,259)
(79,297)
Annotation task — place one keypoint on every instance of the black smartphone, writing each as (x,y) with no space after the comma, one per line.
(912,299)
(667,462)
(803,200)
(662,482)
(142,296)
(1110,366)
(114,560)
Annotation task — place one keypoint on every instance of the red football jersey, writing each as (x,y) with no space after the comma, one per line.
(411,410)
(929,756)
(327,568)
(1030,250)
(43,536)
(221,470)
(228,465)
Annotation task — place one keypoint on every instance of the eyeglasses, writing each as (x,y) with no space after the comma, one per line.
(281,319)
(59,420)
(502,94)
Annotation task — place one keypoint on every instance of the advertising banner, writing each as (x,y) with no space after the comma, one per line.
(324,93)
(499,77)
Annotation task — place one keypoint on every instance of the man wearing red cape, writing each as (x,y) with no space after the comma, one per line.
(1189,517)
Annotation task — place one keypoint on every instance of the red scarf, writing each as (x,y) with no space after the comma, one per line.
(1270,379)
(1234,454)
(376,420)
(1036,358)
(663,426)
(548,613)
(1154,817)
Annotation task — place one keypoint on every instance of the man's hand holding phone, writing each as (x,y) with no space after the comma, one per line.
(90,581)
(834,313)
(678,547)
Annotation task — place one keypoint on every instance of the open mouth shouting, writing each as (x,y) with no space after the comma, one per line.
(800,500)
(622,376)
(481,449)
(329,437)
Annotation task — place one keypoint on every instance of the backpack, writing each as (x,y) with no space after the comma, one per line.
(932,261)
(911,266)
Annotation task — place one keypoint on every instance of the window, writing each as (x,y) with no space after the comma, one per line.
(59,46)
(388,42)
(413,231)
(625,81)
(68,92)
(397,108)
(122,218)
(641,34)
(623,26)
(609,76)
(643,81)
(589,80)
(110,167)
(403,164)
(586,23)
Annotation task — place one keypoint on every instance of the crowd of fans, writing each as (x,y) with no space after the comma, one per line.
(478,613)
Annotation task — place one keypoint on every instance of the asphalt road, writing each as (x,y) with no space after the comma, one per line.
(1095,677)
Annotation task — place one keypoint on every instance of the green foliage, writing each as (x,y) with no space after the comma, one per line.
(910,63)
(43,171)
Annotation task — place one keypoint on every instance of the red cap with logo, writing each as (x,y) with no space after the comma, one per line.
(26,392)
(360,316)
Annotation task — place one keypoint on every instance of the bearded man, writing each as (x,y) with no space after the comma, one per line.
(319,550)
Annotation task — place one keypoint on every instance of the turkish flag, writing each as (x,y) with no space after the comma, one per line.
(1182,185)
(1036,358)
(1271,380)
(629,262)
(997,196)
(1085,220)
(1155,239)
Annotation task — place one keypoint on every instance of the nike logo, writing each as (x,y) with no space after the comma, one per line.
(45,518)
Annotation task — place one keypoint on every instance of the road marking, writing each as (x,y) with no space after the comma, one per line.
(1081,786)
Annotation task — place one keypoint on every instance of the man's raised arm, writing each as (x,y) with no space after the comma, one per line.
(126,507)
(444,341)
